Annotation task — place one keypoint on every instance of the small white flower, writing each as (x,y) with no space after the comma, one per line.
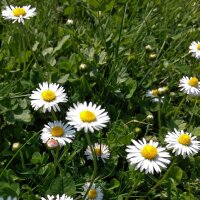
(154,95)
(101,151)
(48,96)
(194,48)
(18,13)
(88,117)
(62,133)
(94,193)
(57,197)
(190,86)
(147,157)
(70,21)
(182,143)
(8,198)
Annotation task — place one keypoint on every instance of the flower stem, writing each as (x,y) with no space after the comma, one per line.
(94,163)
(163,178)
(56,162)
(179,107)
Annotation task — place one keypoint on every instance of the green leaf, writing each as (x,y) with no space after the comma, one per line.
(114,184)
(61,43)
(24,116)
(36,158)
(196,131)
(62,185)
(176,173)
(132,85)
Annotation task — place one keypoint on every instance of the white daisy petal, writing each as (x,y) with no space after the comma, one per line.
(182,143)
(88,117)
(147,157)
(95,193)
(47,97)
(154,95)
(190,86)
(101,151)
(18,14)
(57,197)
(194,48)
(58,131)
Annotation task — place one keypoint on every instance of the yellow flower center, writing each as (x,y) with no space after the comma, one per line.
(149,152)
(154,92)
(98,151)
(57,131)
(48,95)
(184,139)
(193,82)
(19,12)
(87,116)
(92,194)
(198,46)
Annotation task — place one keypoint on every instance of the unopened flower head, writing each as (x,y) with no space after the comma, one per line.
(57,197)
(89,117)
(154,95)
(101,150)
(70,21)
(147,157)
(62,133)
(47,96)
(190,86)
(18,14)
(182,143)
(52,143)
(194,48)
(94,193)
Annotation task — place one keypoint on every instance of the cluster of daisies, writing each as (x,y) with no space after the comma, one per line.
(81,116)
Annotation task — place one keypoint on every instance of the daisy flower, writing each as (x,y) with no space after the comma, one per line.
(101,151)
(48,96)
(8,198)
(194,48)
(94,193)
(62,133)
(18,14)
(190,86)
(57,197)
(147,157)
(182,143)
(89,117)
(154,95)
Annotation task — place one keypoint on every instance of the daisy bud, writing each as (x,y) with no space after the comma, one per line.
(70,21)
(82,66)
(150,118)
(172,94)
(163,90)
(152,56)
(138,130)
(52,144)
(148,48)
(16,146)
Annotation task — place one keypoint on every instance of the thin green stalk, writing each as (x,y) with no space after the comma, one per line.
(147,129)
(159,114)
(195,104)
(164,177)
(17,153)
(56,162)
(179,107)
(54,115)
(133,187)
(94,163)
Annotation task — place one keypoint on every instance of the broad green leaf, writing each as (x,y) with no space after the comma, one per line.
(62,185)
